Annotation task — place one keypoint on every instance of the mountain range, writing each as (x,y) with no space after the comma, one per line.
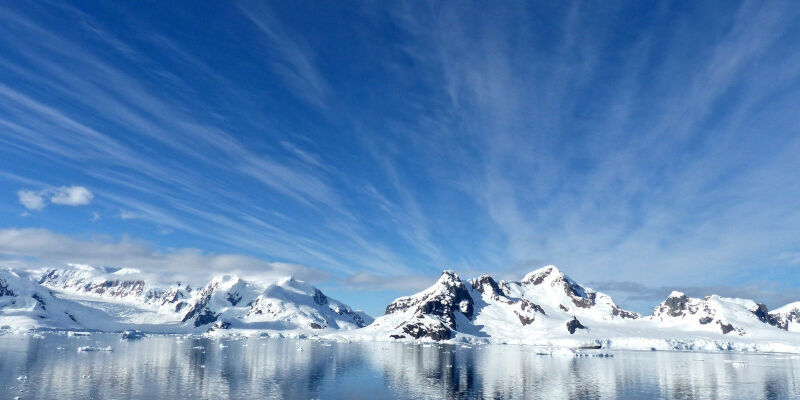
(545,308)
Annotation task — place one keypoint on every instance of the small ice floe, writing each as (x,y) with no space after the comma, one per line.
(22,378)
(75,333)
(222,345)
(93,348)
(300,349)
(198,347)
(598,355)
(202,365)
(736,364)
(556,351)
(133,335)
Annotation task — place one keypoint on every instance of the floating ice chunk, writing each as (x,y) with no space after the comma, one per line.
(93,348)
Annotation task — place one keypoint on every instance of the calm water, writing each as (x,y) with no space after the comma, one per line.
(175,368)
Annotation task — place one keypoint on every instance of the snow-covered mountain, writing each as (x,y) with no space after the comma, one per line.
(26,305)
(84,297)
(548,308)
(544,301)
(117,284)
(714,313)
(545,307)
(787,317)
(289,304)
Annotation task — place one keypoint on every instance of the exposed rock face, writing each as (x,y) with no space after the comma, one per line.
(487,284)
(450,306)
(573,325)
(785,316)
(579,296)
(726,328)
(199,311)
(676,305)
(727,313)
(436,331)
(4,290)
(105,282)
(433,312)
(32,305)
(286,302)
(224,302)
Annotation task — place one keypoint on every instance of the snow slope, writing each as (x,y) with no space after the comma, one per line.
(25,305)
(548,308)
(114,300)
(788,317)
(545,308)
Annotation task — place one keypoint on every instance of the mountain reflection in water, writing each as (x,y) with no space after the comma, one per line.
(178,368)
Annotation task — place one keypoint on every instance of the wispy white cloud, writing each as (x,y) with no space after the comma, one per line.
(290,57)
(661,150)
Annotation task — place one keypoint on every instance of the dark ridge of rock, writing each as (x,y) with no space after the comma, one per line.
(482,282)
(764,316)
(40,301)
(573,325)
(706,320)
(562,307)
(397,336)
(315,325)
(538,278)
(206,317)
(782,321)
(436,332)
(234,298)
(525,320)
(4,290)
(676,305)
(199,307)
(624,314)
(320,297)
(72,317)
(526,305)
(583,302)
(452,296)
(726,328)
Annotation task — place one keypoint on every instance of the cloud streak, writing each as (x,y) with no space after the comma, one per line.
(658,144)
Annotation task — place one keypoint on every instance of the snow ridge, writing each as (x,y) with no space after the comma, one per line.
(548,308)
(106,299)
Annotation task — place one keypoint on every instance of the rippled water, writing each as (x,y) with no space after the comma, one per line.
(176,368)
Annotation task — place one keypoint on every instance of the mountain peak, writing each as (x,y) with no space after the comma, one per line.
(676,294)
(539,275)
(448,278)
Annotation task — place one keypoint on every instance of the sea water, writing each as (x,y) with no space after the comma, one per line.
(50,366)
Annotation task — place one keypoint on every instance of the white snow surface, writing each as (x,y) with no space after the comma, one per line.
(545,308)
(538,309)
(82,297)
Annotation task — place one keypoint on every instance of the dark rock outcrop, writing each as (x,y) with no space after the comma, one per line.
(573,325)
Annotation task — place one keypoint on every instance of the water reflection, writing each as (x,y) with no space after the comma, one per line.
(170,367)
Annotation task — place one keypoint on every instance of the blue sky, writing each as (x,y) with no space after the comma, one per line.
(365,146)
